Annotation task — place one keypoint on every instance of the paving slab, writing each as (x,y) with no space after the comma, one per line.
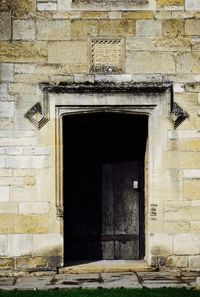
(120,280)
(40,281)
(32,282)
(157,285)
(62,281)
(6,282)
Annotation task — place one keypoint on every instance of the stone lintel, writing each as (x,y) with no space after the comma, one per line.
(105,87)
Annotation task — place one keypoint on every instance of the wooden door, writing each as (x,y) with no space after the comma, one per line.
(120,210)
(103,214)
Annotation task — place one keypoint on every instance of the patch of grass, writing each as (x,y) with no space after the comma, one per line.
(168,292)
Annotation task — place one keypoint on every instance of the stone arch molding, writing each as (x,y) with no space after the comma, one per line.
(152,99)
(38,114)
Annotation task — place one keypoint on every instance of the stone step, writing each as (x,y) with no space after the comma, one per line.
(106,266)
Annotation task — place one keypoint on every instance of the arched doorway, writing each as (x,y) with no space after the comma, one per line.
(103,185)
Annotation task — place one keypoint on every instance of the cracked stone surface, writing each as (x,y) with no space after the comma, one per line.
(100,280)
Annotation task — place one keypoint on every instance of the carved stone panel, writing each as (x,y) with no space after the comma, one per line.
(107,56)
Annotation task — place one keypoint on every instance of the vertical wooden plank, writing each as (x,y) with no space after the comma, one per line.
(127,209)
(108,181)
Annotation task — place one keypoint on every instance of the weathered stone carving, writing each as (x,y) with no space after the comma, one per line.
(177,115)
(38,114)
(107,56)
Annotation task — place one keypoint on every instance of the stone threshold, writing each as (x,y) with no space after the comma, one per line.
(108,266)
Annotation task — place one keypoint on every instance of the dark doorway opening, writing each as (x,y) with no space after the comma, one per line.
(104,186)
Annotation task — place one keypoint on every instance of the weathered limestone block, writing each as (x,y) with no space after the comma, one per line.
(184,145)
(38,262)
(192,27)
(80,29)
(64,5)
(33,207)
(168,187)
(150,62)
(195,226)
(148,28)
(62,69)
(194,263)
(20,245)
(17,181)
(20,193)
(18,5)
(3,245)
(191,173)
(26,162)
(82,78)
(117,28)
(163,15)
(6,263)
(169,44)
(50,245)
(139,15)
(182,210)
(6,71)
(2,161)
(47,6)
(4,193)
(43,178)
(4,89)
(182,14)
(24,68)
(161,244)
(173,27)
(170,2)
(183,134)
(21,88)
(192,5)
(26,173)
(68,52)
(7,109)
(187,244)
(188,101)
(51,69)
(185,160)
(6,224)
(176,226)
(177,261)
(13,150)
(6,97)
(31,224)
(179,88)
(192,189)
(53,30)
(36,150)
(195,44)
(192,65)
(17,141)
(8,207)
(23,51)
(99,15)
(23,30)
(19,162)
(6,172)
(5,25)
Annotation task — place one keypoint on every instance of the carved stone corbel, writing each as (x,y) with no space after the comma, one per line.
(177,115)
(38,114)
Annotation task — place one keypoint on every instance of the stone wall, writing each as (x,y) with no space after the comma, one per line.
(49,41)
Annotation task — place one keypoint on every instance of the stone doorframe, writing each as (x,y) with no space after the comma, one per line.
(152,99)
